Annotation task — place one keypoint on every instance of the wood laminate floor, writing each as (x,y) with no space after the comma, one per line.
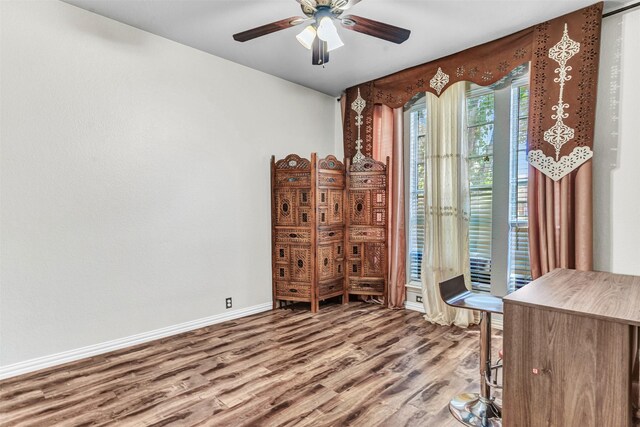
(359,365)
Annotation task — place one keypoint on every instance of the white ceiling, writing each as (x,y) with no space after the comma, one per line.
(438,28)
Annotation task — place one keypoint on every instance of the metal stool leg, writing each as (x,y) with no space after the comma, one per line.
(473,409)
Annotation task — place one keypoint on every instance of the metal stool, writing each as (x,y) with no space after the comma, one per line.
(476,409)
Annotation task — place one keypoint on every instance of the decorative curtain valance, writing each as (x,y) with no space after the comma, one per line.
(564,66)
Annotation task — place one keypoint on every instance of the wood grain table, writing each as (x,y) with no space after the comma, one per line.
(569,344)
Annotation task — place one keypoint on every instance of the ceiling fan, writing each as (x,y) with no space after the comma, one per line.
(321,35)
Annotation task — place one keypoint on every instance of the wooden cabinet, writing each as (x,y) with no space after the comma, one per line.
(569,349)
(366,228)
(307,198)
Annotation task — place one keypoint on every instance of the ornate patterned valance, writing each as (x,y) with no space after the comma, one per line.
(564,65)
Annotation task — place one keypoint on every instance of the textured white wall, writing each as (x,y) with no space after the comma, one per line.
(134,178)
(617,147)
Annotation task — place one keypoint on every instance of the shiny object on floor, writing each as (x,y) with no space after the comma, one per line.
(473,410)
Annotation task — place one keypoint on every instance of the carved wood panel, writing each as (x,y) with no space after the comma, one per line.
(331,288)
(331,180)
(304,216)
(285,207)
(379,217)
(337,214)
(367,234)
(300,263)
(355,268)
(366,262)
(323,197)
(281,254)
(364,286)
(293,179)
(368,181)
(331,235)
(359,207)
(374,259)
(326,261)
(292,235)
(323,216)
(304,197)
(282,272)
(293,291)
(356,251)
(338,253)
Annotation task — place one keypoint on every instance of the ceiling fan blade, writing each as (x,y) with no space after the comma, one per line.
(374,28)
(269,28)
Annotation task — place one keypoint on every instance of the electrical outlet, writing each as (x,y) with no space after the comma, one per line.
(228,302)
(418,298)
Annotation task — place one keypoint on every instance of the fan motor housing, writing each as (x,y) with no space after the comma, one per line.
(329,7)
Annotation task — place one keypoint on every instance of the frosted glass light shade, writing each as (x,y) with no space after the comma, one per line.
(307,36)
(334,42)
(327,31)
(325,28)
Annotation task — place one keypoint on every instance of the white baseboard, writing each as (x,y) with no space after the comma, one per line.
(95,349)
(414,287)
(496,319)
(415,306)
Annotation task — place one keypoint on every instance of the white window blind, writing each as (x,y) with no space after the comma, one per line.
(480,125)
(417,136)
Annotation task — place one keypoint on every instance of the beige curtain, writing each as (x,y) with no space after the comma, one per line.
(388,140)
(446,252)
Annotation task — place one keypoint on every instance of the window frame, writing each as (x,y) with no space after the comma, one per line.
(476,91)
(501,216)
(418,104)
(516,84)
(500,275)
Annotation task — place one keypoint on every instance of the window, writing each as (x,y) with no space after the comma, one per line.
(480,126)
(496,134)
(519,269)
(417,137)
(498,226)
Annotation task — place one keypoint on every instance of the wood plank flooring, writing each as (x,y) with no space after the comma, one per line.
(357,365)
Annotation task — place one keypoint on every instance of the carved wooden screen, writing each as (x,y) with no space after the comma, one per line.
(307,229)
(292,213)
(366,228)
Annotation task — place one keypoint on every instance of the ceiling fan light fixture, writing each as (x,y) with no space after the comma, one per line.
(321,35)
(307,36)
(328,32)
